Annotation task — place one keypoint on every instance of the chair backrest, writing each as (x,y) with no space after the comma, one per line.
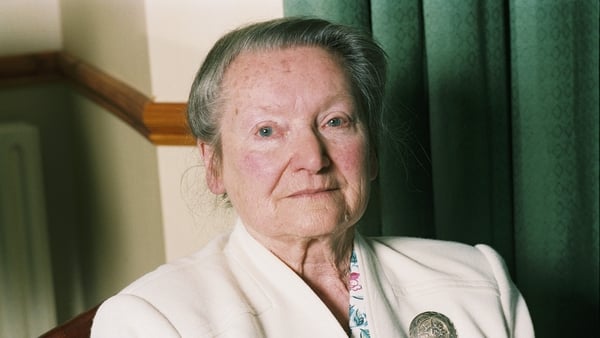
(77,327)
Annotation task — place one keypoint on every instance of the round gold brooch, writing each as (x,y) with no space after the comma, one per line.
(432,324)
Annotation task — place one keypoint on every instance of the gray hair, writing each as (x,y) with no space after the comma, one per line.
(359,55)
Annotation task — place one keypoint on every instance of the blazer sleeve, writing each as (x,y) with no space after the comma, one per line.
(513,304)
(127,315)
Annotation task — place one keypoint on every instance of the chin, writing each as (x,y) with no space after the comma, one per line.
(317,226)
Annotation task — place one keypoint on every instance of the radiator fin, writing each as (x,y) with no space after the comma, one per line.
(26,290)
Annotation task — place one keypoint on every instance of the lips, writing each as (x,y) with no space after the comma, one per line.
(311,192)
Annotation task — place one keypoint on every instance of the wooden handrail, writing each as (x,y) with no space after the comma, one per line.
(24,69)
(161,123)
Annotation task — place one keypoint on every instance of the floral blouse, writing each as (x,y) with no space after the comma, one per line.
(359,326)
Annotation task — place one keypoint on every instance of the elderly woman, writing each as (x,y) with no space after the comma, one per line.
(286,114)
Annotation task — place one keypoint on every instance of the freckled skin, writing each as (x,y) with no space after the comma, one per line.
(294,91)
(296,163)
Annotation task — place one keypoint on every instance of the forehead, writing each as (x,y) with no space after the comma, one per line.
(312,64)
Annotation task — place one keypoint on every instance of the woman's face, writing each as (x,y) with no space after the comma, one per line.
(295,156)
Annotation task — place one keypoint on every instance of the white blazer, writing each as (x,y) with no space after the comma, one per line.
(235,287)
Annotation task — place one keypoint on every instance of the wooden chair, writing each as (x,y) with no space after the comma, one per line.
(77,327)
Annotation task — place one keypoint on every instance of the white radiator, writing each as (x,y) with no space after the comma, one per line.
(27,306)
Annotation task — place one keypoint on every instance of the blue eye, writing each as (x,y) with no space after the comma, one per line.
(335,122)
(265,131)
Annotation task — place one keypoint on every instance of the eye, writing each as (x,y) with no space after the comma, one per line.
(265,131)
(335,122)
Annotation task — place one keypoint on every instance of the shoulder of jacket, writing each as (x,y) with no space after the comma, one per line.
(413,245)
(200,292)
(433,258)
(186,271)
(129,316)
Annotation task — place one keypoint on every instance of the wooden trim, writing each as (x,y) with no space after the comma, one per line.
(30,68)
(161,123)
(167,124)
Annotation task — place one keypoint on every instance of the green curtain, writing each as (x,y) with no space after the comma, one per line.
(493,107)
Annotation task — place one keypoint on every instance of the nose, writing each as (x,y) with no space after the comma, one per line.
(309,153)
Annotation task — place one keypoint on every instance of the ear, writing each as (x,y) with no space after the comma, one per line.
(373,164)
(211,167)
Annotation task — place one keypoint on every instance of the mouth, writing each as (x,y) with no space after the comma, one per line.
(312,192)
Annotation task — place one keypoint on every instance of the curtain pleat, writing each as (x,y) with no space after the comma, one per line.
(493,109)
(405,175)
(353,13)
(554,48)
(467,71)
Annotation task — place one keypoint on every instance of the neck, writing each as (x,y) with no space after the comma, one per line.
(322,262)
(313,254)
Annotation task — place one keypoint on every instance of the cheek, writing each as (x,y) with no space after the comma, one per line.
(252,173)
(257,165)
(353,161)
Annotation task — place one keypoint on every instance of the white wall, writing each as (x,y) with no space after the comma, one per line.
(181,32)
(110,35)
(121,230)
(28,26)
(191,214)
(121,233)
